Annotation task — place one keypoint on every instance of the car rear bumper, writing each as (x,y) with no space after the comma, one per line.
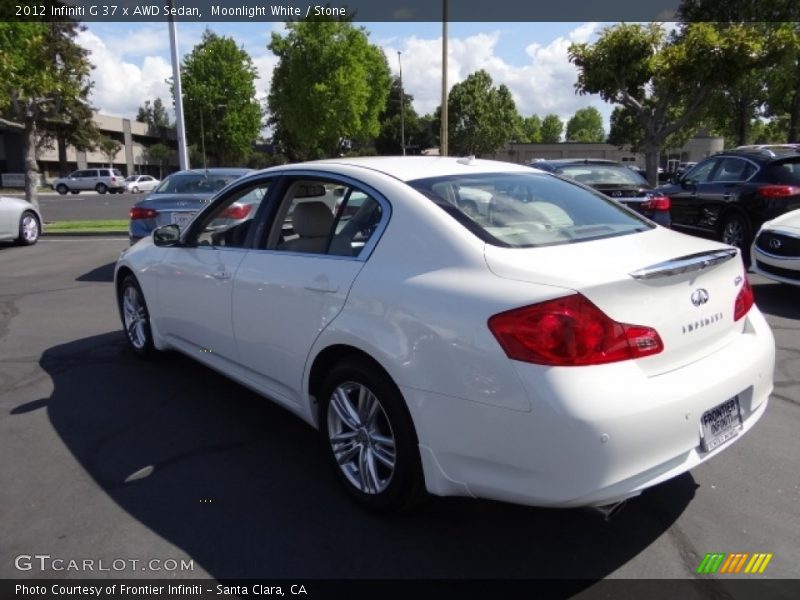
(596,435)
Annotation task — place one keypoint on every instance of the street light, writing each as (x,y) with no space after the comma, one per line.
(402,108)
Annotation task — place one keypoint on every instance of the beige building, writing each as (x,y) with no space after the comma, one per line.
(133,136)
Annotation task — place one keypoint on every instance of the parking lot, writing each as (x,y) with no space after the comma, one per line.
(107,457)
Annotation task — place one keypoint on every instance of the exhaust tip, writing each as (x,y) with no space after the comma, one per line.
(610,511)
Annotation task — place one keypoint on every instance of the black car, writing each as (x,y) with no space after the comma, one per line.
(615,180)
(728,196)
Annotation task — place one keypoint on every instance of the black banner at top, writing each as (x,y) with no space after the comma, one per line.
(202,11)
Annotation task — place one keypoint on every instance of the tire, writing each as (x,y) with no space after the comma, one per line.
(29,229)
(135,190)
(364,421)
(736,231)
(62,189)
(75,191)
(101,188)
(135,318)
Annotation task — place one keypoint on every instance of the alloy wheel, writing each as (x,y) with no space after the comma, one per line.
(135,317)
(29,228)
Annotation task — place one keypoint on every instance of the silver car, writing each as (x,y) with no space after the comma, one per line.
(19,221)
(101,180)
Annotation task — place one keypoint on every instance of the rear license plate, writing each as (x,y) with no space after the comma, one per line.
(720,424)
(181,219)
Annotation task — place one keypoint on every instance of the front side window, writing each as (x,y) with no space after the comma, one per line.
(528,210)
(700,172)
(324,217)
(229,223)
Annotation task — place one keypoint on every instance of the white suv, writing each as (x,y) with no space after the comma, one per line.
(100,180)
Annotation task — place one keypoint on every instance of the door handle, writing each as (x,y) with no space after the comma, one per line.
(221,275)
(321,289)
(726,196)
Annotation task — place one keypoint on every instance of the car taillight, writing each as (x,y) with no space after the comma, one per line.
(570,331)
(744,300)
(658,203)
(142,213)
(237,211)
(779,191)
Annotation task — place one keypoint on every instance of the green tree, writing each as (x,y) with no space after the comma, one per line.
(109,147)
(481,118)
(161,155)
(329,88)
(586,125)
(155,115)
(45,76)
(389,138)
(531,130)
(665,82)
(551,130)
(220,106)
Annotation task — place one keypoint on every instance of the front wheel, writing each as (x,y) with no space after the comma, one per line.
(101,188)
(370,437)
(29,229)
(62,189)
(135,190)
(135,317)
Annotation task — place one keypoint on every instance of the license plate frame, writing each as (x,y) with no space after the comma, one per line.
(181,219)
(720,424)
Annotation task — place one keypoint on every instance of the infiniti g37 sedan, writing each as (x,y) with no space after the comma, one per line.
(564,352)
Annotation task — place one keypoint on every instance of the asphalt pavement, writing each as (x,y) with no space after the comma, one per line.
(106,456)
(85,206)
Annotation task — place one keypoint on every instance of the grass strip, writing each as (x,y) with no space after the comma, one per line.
(98,226)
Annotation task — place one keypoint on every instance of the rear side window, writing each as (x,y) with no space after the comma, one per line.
(527,210)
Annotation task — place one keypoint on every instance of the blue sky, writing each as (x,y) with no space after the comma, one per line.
(132,60)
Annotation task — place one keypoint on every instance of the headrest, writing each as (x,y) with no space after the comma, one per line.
(312,219)
(309,190)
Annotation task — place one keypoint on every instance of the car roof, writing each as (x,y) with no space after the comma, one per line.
(765,152)
(409,168)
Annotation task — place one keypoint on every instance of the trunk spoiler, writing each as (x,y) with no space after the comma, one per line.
(684,264)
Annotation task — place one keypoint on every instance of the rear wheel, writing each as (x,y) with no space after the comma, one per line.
(62,189)
(29,229)
(736,231)
(370,437)
(101,188)
(135,317)
(135,189)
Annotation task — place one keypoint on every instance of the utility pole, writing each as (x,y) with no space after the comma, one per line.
(183,155)
(443,133)
(402,108)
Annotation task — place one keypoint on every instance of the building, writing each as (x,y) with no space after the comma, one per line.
(134,137)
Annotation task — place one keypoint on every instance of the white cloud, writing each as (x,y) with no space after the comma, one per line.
(120,87)
(544,84)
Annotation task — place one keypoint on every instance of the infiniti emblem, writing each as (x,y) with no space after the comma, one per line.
(775,243)
(699,297)
(616,194)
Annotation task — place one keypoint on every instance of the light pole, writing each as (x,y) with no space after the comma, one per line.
(443,133)
(183,155)
(402,108)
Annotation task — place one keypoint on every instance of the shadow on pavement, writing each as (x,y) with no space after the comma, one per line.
(104,274)
(778,299)
(242,486)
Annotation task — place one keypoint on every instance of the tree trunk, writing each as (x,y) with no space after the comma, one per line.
(794,116)
(62,155)
(651,164)
(31,166)
(742,118)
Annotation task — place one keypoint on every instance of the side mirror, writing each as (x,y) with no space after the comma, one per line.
(167,235)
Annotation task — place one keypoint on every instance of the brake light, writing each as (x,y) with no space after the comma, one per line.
(658,203)
(570,331)
(744,300)
(138,212)
(237,211)
(779,191)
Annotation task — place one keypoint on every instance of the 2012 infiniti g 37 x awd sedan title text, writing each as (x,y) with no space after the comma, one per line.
(560,350)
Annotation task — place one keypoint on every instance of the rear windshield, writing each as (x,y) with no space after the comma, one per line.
(787,171)
(602,174)
(522,210)
(195,183)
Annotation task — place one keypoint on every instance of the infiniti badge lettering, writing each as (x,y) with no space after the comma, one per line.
(699,297)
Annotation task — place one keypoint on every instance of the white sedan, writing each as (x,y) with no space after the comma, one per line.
(140,183)
(562,352)
(776,249)
(20,221)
